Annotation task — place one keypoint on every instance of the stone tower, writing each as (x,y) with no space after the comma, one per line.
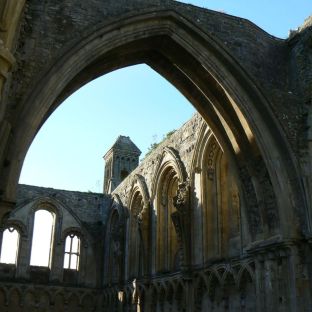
(120,160)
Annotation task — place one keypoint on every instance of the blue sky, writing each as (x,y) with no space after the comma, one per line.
(67,152)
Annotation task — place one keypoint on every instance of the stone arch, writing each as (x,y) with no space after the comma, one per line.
(201,300)
(74,302)
(88,302)
(247,287)
(169,296)
(180,296)
(12,226)
(18,225)
(74,269)
(51,206)
(48,204)
(213,285)
(114,244)
(245,272)
(73,230)
(128,298)
(229,277)
(168,158)
(30,300)
(216,199)
(238,102)
(169,175)
(161,296)
(141,297)
(138,234)
(44,300)
(15,299)
(59,301)
(138,184)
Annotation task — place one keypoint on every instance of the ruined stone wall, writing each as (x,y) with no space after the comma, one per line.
(255,91)
(250,73)
(90,208)
(80,213)
(183,141)
(236,281)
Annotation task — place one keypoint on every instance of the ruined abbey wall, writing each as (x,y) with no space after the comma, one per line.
(218,217)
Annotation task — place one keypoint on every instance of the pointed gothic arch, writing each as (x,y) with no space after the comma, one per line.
(206,72)
(138,233)
(114,249)
(170,173)
(217,200)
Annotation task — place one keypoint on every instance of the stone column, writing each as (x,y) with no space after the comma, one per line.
(10,15)
(150,300)
(270,279)
(189,296)
(23,261)
(259,275)
(56,274)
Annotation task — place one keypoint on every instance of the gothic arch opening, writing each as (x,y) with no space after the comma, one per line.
(167,249)
(247,161)
(204,71)
(220,201)
(137,256)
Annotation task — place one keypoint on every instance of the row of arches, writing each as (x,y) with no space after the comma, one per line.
(46,299)
(45,247)
(150,228)
(221,288)
(217,80)
(218,72)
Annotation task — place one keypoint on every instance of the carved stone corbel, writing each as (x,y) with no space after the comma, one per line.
(181,200)
(181,221)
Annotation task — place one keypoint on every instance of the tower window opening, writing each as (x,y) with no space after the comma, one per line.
(123,174)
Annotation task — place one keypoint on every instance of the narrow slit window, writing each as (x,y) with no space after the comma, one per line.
(72,252)
(42,238)
(9,248)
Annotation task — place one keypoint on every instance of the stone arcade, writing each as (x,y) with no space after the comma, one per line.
(217,218)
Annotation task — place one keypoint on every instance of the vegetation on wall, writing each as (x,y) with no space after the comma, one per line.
(153,146)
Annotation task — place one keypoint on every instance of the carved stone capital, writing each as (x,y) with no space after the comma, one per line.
(197,170)
(180,201)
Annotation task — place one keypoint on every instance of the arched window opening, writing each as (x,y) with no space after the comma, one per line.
(9,247)
(115,257)
(221,204)
(72,252)
(167,243)
(42,241)
(124,173)
(136,239)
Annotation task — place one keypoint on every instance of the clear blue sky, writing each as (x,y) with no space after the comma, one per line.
(67,152)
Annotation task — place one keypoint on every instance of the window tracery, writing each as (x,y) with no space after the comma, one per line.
(72,252)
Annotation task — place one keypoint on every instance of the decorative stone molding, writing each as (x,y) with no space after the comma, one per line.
(181,200)
(7,60)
